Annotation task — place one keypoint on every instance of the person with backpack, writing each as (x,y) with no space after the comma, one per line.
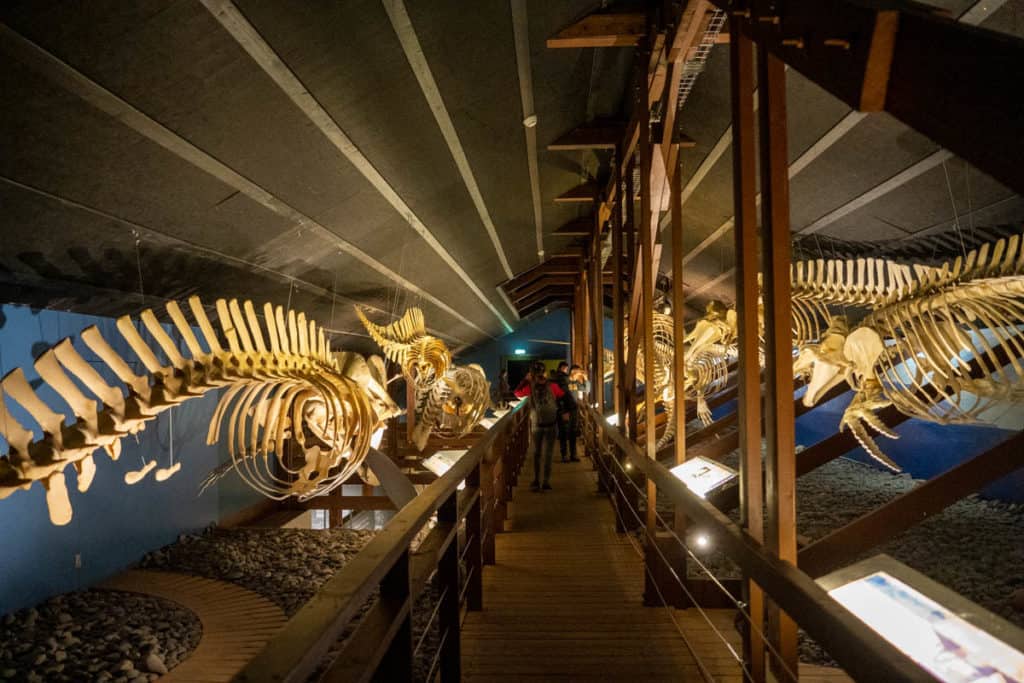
(545,399)
(568,417)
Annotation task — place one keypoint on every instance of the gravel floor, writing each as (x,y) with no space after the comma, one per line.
(288,566)
(96,635)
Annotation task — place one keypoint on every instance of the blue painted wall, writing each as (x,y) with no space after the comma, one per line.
(556,326)
(113,524)
(924,449)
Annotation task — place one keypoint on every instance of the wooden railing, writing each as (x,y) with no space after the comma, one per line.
(381,645)
(857,648)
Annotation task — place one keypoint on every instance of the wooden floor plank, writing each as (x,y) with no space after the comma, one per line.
(564,603)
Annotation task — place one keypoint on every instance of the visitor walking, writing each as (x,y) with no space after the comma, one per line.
(568,417)
(545,397)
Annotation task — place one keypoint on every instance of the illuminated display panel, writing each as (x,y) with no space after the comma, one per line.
(702,475)
(953,639)
(442,461)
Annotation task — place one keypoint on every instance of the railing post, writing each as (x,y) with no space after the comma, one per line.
(474,538)
(490,496)
(396,665)
(448,574)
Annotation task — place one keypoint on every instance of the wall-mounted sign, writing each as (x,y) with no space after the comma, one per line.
(702,475)
(952,638)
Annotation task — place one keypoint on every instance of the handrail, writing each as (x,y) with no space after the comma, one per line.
(299,647)
(860,650)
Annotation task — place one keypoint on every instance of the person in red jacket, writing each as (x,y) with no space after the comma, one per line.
(545,398)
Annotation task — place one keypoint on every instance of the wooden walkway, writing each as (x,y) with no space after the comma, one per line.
(564,602)
(237,623)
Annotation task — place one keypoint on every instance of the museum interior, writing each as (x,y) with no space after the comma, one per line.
(568,340)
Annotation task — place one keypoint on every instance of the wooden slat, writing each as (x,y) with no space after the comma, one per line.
(602,30)
(577,227)
(582,193)
(336,501)
(592,135)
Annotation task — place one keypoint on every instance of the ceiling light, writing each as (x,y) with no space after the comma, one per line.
(702,541)
(520,352)
(530,121)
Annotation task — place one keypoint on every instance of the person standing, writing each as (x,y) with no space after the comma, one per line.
(544,397)
(568,418)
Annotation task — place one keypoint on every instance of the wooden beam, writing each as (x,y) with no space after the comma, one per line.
(608,29)
(678,332)
(644,313)
(780,429)
(749,376)
(577,227)
(597,313)
(618,322)
(591,135)
(884,60)
(560,264)
(540,284)
(583,193)
(913,507)
(336,501)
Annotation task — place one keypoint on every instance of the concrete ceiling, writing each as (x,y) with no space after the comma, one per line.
(286,152)
(318,154)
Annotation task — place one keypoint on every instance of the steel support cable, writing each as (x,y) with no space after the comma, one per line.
(739,605)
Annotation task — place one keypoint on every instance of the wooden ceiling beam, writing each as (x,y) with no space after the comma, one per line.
(562,264)
(591,135)
(577,227)
(583,193)
(539,284)
(560,292)
(608,29)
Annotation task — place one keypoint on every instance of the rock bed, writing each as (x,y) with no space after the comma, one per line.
(286,566)
(96,635)
(973,547)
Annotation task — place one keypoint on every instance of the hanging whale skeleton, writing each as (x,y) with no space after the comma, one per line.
(917,327)
(450,400)
(299,418)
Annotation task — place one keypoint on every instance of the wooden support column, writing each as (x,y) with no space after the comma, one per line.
(619,382)
(780,458)
(448,576)
(748,374)
(396,664)
(645,313)
(597,306)
(629,346)
(585,336)
(678,330)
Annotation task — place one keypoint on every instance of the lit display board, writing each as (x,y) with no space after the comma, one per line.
(442,461)
(950,637)
(702,475)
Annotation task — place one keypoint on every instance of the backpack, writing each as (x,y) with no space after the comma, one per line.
(544,405)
